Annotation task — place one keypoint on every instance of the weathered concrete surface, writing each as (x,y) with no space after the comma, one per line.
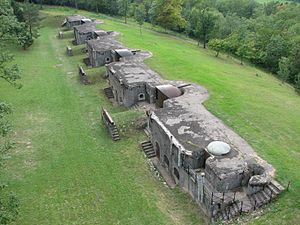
(188,119)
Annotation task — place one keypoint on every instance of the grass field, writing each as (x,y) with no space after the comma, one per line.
(66,170)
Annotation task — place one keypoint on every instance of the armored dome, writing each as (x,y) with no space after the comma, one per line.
(218,148)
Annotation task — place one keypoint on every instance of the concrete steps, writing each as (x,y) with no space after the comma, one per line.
(148,149)
(114,133)
(228,212)
(110,124)
(86,61)
(134,107)
(270,191)
(108,92)
(248,203)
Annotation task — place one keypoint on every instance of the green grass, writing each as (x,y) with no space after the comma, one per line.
(72,173)
(266,1)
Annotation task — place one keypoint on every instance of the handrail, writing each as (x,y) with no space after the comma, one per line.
(107,117)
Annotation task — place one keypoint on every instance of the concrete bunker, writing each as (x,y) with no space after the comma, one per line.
(204,156)
(134,82)
(83,33)
(75,20)
(99,50)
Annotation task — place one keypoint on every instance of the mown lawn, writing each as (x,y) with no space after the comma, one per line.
(67,171)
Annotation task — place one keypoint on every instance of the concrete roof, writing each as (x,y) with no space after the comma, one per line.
(104,44)
(86,28)
(134,73)
(195,127)
(74,18)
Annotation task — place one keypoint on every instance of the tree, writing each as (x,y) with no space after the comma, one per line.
(167,13)
(123,8)
(152,12)
(270,8)
(297,83)
(24,38)
(276,48)
(28,13)
(242,8)
(294,57)
(10,73)
(140,14)
(229,24)
(217,45)
(9,206)
(205,22)
(76,4)
(9,23)
(284,69)
(246,50)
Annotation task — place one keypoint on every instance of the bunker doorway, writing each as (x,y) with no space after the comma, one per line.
(157,150)
(166,161)
(176,173)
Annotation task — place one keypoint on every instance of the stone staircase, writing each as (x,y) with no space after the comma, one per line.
(270,191)
(134,107)
(249,203)
(231,211)
(114,133)
(108,92)
(148,149)
(87,61)
(111,125)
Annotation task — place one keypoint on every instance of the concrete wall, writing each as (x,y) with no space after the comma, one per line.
(90,53)
(124,95)
(189,180)
(200,183)
(150,93)
(230,180)
(134,95)
(166,149)
(100,58)
(72,24)
(116,88)
(129,96)
(82,38)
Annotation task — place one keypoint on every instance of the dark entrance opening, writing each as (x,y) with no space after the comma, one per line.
(176,173)
(166,161)
(157,149)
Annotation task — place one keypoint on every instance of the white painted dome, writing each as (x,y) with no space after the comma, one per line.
(218,148)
